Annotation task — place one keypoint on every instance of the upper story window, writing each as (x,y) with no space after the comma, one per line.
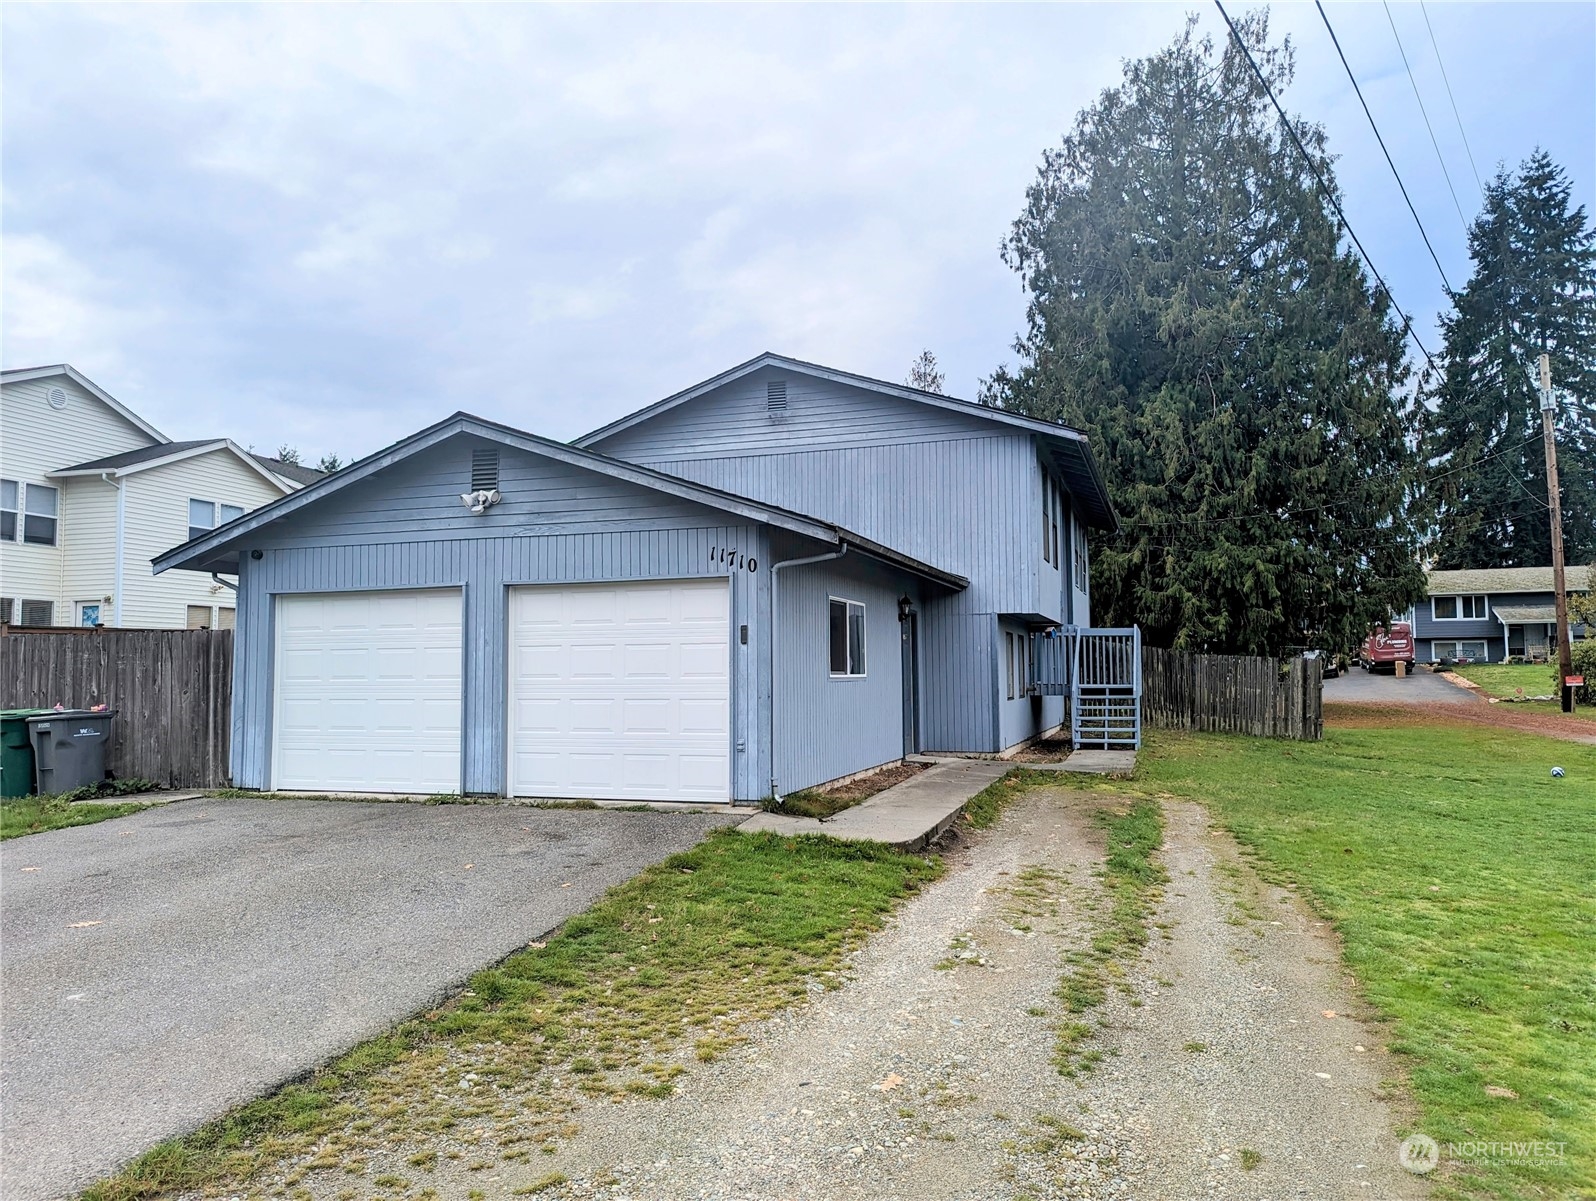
(1458,608)
(10,509)
(1078,543)
(847,628)
(39,513)
(206,515)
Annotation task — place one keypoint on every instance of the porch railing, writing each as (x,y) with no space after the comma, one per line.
(1100,671)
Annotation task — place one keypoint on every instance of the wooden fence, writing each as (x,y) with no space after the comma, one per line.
(1233,694)
(171,689)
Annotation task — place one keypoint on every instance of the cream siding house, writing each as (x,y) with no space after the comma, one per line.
(90,493)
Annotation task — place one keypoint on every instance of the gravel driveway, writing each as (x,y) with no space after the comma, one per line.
(936,1085)
(163,967)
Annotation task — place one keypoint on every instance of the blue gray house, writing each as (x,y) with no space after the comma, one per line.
(782,576)
(1492,614)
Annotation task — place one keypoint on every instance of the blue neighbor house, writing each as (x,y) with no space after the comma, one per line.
(1492,615)
(782,576)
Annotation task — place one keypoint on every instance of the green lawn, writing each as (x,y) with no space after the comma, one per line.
(1461,877)
(1504,680)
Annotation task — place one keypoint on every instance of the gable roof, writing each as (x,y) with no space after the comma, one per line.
(1069,449)
(1506,579)
(23,374)
(131,462)
(297,472)
(215,550)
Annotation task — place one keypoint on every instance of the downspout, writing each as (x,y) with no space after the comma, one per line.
(217,577)
(121,525)
(775,633)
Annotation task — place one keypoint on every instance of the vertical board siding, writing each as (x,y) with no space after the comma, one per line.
(945,487)
(1233,694)
(171,690)
(826,727)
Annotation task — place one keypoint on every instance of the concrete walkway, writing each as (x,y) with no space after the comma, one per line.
(1091,763)
(908,815)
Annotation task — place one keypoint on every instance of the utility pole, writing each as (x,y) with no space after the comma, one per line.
(1565,658)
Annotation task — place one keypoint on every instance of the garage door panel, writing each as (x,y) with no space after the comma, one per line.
(607,702)
(368,692)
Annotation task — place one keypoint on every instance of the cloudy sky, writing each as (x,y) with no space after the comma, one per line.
(332,225)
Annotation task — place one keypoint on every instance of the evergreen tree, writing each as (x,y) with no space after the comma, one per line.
(1533,291)
(1193,309)
(923,374)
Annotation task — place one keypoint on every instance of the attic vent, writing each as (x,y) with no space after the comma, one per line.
(57,398)
(484,470)
(776,397)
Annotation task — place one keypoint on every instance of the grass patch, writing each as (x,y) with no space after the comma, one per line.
(1460,877)
(36,814)
(1131,879)
(1250,1159)
(1536,679)
(679,959)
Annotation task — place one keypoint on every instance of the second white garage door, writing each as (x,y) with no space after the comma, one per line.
(621,691)
(368,692)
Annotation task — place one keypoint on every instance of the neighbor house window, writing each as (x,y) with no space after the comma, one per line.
(88,613)
(206,515)
(1456,652)
(10,508)
(38,613)
(847,638)
(39,514)
(1459,608)
(8,609)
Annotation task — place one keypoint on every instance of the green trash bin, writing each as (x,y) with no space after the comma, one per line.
(16,752)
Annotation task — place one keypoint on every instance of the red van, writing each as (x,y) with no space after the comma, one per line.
(1383,650)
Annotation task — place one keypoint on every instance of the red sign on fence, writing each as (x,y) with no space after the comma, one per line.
(1574,681)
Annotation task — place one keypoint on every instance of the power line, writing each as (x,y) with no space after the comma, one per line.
(1466,147)
(1390,162)
(1329,194)
(1439,157)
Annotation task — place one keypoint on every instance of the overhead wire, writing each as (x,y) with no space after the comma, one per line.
(1439,157)
(1329,193)
(1469,150)
(1378,137)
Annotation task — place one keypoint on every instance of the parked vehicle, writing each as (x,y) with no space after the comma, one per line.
(1384,649)
(1330,662)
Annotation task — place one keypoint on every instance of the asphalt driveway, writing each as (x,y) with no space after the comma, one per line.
(1359,687)
(161,968)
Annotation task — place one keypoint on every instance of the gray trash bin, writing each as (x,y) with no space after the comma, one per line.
(69,748)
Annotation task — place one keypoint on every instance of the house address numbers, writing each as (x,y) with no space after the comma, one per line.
(732,558)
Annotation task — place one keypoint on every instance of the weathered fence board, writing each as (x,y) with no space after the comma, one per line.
(172,691)
(1233,694)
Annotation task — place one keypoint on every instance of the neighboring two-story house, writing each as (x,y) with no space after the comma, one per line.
(777,578)
(90,493)
(1492,614)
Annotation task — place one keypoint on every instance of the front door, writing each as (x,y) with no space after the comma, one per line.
(1535,641)
(911,684)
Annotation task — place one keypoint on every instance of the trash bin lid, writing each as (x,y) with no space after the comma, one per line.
(19,714)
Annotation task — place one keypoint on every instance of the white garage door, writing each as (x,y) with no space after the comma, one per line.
(368,692)
(621,691)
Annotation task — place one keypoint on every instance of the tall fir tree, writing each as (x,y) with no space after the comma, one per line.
(1533,291)
(1193,308)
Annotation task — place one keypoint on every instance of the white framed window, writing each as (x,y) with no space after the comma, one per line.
(39,512)
(1459,608)
(1473,650)
(10,509)
(847,637)
(205,515)
(37,613)
(89,613)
